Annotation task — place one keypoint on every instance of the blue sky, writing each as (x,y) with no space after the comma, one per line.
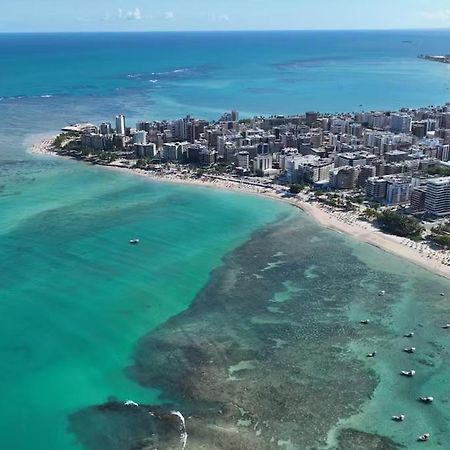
(150,15)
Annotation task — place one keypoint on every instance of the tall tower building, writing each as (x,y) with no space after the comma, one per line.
(120,124)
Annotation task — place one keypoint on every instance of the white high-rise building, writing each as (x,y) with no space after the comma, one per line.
(120,124)
(437,197)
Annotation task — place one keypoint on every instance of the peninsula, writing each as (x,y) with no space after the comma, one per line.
(382,177)
(436,58)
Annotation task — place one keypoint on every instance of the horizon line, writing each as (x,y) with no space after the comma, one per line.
(275,30)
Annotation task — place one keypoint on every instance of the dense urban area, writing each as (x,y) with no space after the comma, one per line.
(392,167)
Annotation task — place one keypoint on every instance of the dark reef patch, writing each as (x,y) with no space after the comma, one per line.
(356,440)
(116,426)
(260,360)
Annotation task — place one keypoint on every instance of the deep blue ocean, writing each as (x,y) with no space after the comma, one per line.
(75,298)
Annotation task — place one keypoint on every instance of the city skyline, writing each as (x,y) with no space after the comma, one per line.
(137,15)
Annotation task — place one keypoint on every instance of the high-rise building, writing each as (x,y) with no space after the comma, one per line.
(243,160)
(311,117)
(262,162)
(437,197)
(401,123)
(344,177)
(419,129)
(376,188)
(398,191)
(120,124)
(418,198)
(105,128)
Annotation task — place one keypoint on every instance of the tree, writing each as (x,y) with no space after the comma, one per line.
(295,188)
(441,239)
(400,224)
(438,170)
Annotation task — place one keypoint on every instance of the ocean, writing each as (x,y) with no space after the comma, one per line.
(238,311)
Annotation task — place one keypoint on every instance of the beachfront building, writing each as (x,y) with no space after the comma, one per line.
(309,168)
(174,151)
(376,188)
(96,141)
(262,163)
(344,177)
(390,189)
(243,160)
(145,150)
(418,198)
(398,191)
(437,196)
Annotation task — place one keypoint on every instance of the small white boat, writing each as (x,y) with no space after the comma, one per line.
(381,293)
(399,418)
(424,437)
(365,321)
(408,373)
(409,350)
(409,335)
(446,326)
(442,294)
(371,355)
(134,241)
(426,399)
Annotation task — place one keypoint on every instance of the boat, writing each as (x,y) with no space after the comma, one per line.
(426,399)
(381,293)
(442,294)
(446,326)
(424,437)
(409,335)
(134,241)
(409,350)
(365,321)
(399,418)
(371,355)
(408,373)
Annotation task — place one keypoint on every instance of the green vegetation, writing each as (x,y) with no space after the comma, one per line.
(441,239)
(295,188)
(399,224)
(438,170)
(200,173)
(140,164)
(369,214)
(60,139)
(358,198)
(441,234)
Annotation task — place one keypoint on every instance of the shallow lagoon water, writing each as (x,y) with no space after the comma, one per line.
(248,375)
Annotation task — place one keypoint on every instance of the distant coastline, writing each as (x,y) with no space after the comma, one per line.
(444,59)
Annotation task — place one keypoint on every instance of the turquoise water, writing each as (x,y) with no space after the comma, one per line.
(75,298)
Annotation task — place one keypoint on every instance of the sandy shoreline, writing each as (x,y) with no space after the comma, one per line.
(43,147)
(436,261)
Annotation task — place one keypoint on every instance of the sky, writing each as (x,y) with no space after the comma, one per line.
(178,15)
